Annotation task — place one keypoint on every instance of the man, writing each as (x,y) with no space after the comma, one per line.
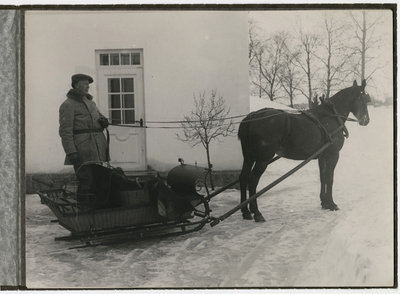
(81,132)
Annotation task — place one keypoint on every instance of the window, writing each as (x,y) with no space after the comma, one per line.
(112,59)
(121,84)
(121,100)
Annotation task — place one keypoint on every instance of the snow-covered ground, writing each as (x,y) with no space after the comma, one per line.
(299,245)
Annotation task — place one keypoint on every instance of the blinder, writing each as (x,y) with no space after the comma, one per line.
(364,95)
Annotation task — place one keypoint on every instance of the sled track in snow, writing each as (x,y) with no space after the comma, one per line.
(298,252)
(247,262)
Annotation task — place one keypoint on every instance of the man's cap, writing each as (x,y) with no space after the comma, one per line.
(81,77)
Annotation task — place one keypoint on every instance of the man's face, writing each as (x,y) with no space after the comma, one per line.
(82,87)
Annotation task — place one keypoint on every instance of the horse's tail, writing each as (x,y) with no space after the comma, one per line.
(243,132)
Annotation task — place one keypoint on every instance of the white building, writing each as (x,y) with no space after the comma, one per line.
(161,59)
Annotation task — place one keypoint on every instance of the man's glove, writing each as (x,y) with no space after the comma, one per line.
(73,158)
(103,122)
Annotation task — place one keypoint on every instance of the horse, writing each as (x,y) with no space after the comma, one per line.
(298,136)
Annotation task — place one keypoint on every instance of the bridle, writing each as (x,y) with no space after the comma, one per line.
(341,118)
(366,99)
(362,96)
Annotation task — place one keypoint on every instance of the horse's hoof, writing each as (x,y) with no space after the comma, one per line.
(247,215)
(331,208)
(259,218)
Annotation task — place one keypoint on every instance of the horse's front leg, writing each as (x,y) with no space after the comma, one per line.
(322,176)
(327,166)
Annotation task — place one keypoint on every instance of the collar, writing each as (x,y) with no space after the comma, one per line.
(73,94)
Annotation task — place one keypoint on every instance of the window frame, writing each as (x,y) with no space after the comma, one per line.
(133,53)
(122,109)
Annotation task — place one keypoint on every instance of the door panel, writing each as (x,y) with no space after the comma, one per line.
(126,148)
(121,99)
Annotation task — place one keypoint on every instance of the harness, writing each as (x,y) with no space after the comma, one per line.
(339,117)
(342,126)
(310,115)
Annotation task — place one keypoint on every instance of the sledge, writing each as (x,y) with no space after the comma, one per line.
(122,208)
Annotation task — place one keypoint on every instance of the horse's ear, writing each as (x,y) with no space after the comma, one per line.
(354,83)
(363,84)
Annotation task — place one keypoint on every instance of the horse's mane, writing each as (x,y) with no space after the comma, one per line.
(344,91)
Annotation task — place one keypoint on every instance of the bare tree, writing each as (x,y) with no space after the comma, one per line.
(335,55)
(256,60)
(275,63)
(207,122)
(254,41)
(309,44)
(267,64)
(323,58)
(289,74)
(366,39)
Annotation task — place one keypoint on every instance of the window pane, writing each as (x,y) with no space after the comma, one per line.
(125,58)
(115,101)
(104,59)
(114,58)
(116,116)
(129,101)
(129,116)
(135,58)
(127,85)
(113,85)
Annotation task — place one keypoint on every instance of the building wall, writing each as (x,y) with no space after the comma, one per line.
(185,53)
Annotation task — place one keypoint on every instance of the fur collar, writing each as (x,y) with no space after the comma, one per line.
(73,94)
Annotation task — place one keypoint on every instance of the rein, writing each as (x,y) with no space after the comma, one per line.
(108,148)
(281,111)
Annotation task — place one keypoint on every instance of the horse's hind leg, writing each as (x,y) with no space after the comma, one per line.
(258,170)
(245,179)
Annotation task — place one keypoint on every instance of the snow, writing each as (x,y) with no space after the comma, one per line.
(299,245)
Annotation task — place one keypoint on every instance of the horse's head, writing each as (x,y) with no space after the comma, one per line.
(359,107)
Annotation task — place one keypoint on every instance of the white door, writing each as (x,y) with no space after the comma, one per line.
(121,99)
